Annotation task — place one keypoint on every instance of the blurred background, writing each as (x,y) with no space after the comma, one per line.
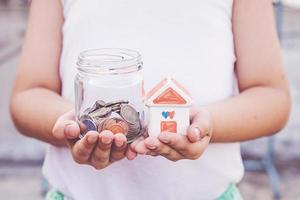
(272,164)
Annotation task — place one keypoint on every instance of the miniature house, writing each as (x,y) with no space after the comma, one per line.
(169,104)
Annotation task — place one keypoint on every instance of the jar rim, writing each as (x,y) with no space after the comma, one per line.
(109,61)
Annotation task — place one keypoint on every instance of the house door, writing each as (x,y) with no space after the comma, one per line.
(168,126)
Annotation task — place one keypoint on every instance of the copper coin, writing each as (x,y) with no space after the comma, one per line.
(115,125)
(116,128)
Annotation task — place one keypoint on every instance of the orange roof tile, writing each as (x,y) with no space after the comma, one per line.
(168,91)
(169,96)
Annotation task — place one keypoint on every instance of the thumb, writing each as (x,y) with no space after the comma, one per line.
(200,127)
(71,130)
(194,133)
(65,127)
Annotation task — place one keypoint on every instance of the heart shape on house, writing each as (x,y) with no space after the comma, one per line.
(168,114)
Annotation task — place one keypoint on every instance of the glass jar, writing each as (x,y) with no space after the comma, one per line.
(109,93)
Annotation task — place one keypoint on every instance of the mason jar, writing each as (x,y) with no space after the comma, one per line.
(109,93)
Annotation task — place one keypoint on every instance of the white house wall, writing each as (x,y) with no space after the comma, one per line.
(155,117)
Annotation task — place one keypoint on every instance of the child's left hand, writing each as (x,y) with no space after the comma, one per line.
(174,146)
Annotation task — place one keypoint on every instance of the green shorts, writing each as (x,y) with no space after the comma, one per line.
(232,193)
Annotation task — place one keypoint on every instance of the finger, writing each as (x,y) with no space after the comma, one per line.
(101,154)
(130,153)
(120,142)
(158,148)
(152,143)
(176,141)
(135,143)
(141,147)
(119,147)
(193,133)
(196,149)
(201,121)
(83,148)
(152,153)
(72,130)
(182,145)
(62,123)
(66,129)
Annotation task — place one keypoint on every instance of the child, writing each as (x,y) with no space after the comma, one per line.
(209,46)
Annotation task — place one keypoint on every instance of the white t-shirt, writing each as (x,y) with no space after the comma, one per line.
(190,40)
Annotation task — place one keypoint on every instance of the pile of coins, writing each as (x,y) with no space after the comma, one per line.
(116,116)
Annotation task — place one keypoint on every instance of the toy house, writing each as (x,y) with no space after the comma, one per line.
(169,106)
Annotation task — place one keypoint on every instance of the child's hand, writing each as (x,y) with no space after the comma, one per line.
(176,146)
(97,150)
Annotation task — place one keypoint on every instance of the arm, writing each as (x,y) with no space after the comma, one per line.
(36,102)
(263,105)
(37,108)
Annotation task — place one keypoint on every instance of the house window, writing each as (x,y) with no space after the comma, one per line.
(168,126)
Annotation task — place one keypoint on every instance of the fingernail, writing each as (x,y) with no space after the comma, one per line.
(106,140)
(150,144)
(119,143)
(197,132)
(70,129)
(165,137)
(91,139)
(151,147)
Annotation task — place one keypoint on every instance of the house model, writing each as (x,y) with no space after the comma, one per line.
(169,106)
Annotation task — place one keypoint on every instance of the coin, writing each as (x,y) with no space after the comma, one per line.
(116,102)
(102,126)
(129,114)
(131,138)
(87,124)
(100,103)
(116,116)
(115,125)
(104,111)
(116,128)
(124,126)
(116,108)
(87,111)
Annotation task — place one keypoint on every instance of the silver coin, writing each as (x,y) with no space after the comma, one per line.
(98,121)
(104,111)
(134,130)
(129,114)
(95,107)
(87,111)
(100,103)
(116,102)
(132,138)
(116,108)
(86,123)
(100,125)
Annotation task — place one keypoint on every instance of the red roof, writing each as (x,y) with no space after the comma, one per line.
(170,95)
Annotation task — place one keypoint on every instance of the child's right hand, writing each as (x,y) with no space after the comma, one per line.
(97,150)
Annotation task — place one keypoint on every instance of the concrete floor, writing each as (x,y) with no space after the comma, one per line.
(20,169)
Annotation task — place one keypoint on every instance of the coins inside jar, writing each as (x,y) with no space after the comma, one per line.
(115,125)
(115,116)
(87,123)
